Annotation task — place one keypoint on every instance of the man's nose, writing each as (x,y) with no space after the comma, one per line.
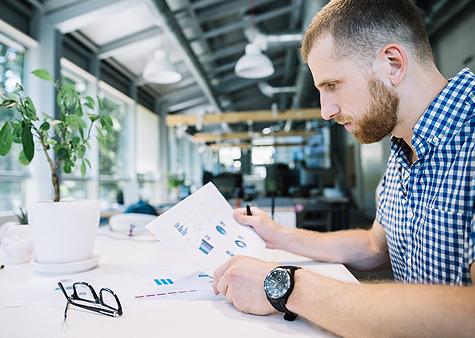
(329,111)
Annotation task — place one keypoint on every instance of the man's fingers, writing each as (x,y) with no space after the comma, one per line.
(223,285)
(243,218)
(219,273)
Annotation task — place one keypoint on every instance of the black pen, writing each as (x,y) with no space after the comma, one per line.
(248,210)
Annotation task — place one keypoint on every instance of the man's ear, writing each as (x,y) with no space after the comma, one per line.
(393,58)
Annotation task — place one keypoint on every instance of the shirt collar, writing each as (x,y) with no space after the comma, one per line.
(443,116)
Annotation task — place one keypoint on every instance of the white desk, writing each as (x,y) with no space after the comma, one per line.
(157,318)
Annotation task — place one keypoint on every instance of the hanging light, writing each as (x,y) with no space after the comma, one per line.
(160,70)
(253,64)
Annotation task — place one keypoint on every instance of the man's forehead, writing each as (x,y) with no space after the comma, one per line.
(322,60)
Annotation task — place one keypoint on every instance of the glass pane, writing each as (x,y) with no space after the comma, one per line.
(112,155)
(10,195)
(111,194)
(11,73)
(73,190)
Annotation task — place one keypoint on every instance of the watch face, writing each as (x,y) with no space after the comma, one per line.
(277,283)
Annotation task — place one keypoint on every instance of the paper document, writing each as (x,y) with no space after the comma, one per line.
(202,227)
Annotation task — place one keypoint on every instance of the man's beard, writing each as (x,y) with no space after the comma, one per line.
(380,118)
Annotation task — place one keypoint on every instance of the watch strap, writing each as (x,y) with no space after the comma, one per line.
(279,304)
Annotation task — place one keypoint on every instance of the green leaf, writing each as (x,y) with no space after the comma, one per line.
(68,165)
(61,152)
(81,151)
(6,139)
(93,117)
(45,126)
(8,103)
(83,168)
(88,163)
(43,74)
(27,141)
(16,133)
(100,103)
(107,123)
(22,159)
(90,102)
(30,109)
(76,121)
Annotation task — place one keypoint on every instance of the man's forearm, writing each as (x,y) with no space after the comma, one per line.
(388,310)
(353,247)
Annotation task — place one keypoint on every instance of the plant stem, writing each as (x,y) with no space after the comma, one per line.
(53,165)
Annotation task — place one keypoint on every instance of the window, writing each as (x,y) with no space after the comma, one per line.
(147,154)
(113,155)
(12,174)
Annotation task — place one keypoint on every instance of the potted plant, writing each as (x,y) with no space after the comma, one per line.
(62,231)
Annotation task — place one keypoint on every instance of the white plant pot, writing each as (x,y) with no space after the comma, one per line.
(63,232)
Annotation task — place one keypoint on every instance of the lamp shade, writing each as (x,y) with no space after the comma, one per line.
(160,70)
(253,64)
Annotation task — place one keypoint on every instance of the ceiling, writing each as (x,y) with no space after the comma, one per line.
(204,38)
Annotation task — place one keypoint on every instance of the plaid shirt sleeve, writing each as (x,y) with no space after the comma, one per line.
(471,243)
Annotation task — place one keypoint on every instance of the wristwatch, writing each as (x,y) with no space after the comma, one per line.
(278,286)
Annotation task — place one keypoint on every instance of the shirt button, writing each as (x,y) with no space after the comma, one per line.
(410,214)
(435,139)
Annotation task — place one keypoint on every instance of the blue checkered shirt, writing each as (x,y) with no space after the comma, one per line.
(427,208)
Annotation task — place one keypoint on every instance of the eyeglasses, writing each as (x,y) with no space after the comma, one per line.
(84,294)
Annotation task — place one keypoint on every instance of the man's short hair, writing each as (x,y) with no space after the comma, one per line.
(365,26)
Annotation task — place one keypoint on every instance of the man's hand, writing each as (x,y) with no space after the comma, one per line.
(270,231)
(241,281)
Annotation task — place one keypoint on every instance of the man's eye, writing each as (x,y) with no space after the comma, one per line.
(331,86)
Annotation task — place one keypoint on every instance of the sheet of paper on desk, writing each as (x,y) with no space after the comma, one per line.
(203,228)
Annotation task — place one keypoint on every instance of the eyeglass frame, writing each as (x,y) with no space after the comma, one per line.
(108,310)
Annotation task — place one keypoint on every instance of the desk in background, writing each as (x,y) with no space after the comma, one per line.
(177,318)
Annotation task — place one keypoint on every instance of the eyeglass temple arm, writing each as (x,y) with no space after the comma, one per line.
(112,313)
(101,297)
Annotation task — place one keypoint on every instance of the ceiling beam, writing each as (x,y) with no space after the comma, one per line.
(199,5)
(80,14)
(229,8)
(240,24)
(246,116)
(187,104)
(175,33)
(109,49)
(217,137)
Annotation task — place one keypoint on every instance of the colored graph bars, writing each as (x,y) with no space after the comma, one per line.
(205,247)
(163,281)
(181,229)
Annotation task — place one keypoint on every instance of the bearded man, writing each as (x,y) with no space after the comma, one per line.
(373,65)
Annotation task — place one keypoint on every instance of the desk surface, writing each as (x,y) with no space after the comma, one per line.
(163,318)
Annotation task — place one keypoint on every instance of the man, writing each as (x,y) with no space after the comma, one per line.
(373,65)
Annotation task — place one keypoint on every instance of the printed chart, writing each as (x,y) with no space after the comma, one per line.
(203,227)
